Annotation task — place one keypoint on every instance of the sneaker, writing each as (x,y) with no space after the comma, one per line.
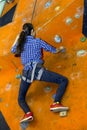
(27,117)
(57,107)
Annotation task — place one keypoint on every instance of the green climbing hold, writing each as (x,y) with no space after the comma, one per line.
(83,39)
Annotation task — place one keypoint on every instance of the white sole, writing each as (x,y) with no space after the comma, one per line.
(27,119)
(59,109)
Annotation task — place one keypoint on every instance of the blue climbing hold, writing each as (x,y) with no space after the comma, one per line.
(47,4)
(58,39)
(53,96)
(63,50)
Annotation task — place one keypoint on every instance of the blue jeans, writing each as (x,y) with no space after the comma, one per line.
(47,76)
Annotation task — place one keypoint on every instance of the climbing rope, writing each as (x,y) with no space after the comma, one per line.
(33,10)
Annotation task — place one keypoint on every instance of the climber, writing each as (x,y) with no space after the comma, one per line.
(29,49)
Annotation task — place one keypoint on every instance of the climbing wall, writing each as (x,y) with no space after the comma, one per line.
(58,22)
(8,6)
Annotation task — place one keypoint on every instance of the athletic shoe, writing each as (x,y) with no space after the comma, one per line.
(27,117)
(57,107)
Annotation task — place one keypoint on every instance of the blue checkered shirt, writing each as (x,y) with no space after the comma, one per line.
(33,51)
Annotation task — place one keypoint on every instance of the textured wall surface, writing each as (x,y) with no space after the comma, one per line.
(58,22)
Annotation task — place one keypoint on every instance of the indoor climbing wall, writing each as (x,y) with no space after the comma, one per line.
(60,23)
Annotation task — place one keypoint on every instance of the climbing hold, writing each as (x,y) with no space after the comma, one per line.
(77,15)
(81,52)
(62,49)
(24,125)
(83,39)
(69,21)
(58,39)
(9,1)
(63,113)
(8,87)
(47,4)
(18,76)
(47,89)
(53,96)
(39,28)
(24,20)
(57,8)
(75,75)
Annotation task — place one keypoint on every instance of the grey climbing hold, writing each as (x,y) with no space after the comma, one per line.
(47,89)
(18,76)
(77,16)
(69,21)
(24,125)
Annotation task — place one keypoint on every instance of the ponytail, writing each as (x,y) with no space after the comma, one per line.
(27,27)
(20,45)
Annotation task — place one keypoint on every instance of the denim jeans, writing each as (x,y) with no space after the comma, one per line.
(47,76)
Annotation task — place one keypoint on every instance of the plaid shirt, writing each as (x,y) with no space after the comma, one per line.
(33,51)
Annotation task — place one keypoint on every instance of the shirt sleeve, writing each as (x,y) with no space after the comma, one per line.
(47,47)
(13,49)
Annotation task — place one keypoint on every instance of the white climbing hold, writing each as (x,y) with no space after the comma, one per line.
(81,53)
(57,39)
